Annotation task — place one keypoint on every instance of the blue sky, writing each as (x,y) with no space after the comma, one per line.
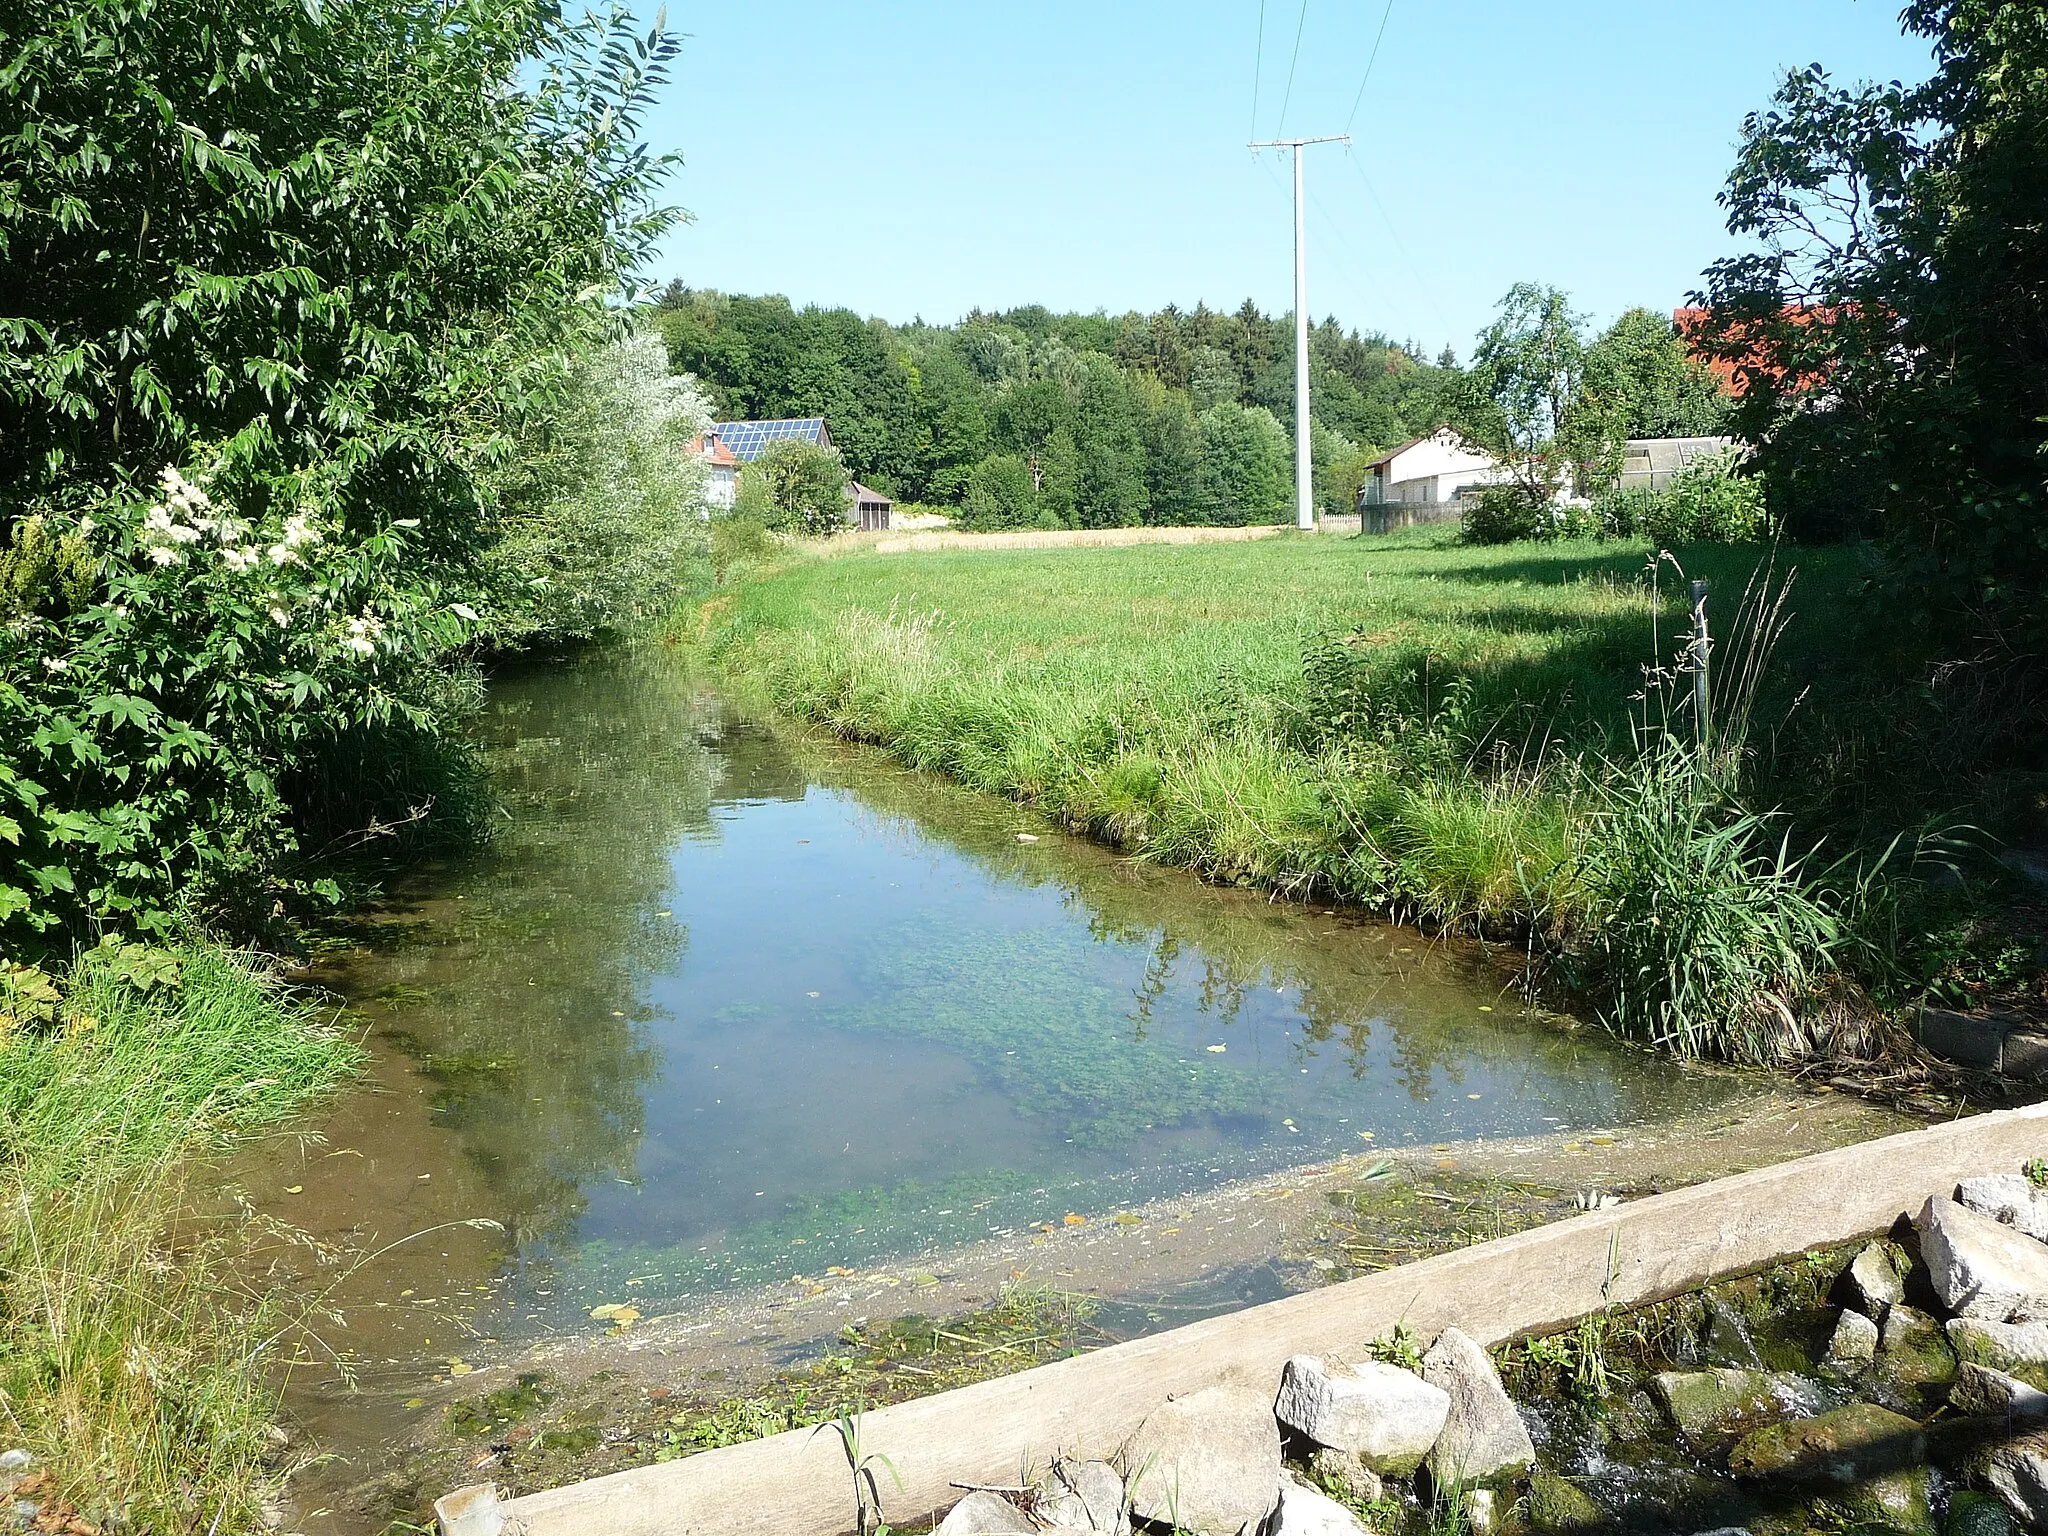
(922,158)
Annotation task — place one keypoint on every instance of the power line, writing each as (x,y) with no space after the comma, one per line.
(1300,22)
(1371,59)
(1421,286)
(1258,66)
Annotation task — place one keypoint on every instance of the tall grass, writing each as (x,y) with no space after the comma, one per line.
(135,1349)
(1432,736)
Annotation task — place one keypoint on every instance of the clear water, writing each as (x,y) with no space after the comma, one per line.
(721,1004)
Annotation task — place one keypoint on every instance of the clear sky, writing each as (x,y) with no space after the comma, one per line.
(923,157)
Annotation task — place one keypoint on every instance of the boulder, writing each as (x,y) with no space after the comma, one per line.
(1343,1471)
(1899,1502)
(1209,1461)
(2019,1347)
(1085,1496)
(2018,1473)
(1389,1416)
(1305,1512)
(1976,1514)
(1876,1280)
(1987,1393)
(1848,1445)
(1714,1407)
(1979,1268)
(985,1514)
(1914,1350)
(1483,1436)
(2010,1199)
(1556,1504)
(1853,1344)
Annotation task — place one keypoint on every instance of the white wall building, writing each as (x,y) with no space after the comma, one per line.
(1428,471)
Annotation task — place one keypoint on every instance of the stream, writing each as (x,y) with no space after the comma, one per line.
(719,1004)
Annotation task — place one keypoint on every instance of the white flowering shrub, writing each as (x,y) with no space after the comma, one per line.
(165,664)
(605,514)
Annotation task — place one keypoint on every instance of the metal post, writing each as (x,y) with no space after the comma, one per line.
(1701,648)
(1304,459)
(1304,464)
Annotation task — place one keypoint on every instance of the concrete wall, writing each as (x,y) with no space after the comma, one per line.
(1536,1281)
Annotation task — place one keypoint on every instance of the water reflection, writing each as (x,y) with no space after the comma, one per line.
(718,1005)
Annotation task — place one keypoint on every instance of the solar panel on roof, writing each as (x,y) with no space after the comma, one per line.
(748,440)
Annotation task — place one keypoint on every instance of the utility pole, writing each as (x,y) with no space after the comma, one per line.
(1304,464)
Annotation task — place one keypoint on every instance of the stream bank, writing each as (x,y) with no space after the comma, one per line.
(727,1032)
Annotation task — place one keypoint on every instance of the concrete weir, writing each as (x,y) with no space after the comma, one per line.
(796,1484)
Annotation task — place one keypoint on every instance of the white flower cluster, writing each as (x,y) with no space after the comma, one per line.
(186,517)
(362,634)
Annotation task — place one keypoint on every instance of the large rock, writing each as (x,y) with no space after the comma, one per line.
(1483,1437)
(1085,1496)
(1305,1512)
(1915,1351)
(1981,1391)
(1714,1407)
(1558,1505)
(1875,1280)
(1853,1344)
(985,1514)
(1900,1502)
(1979,1268)
(2010,1199)
(1209,1461)
(1343,1471)
(2018,1347)
(2018,1473)
(1389,1416)
(1848,1445)
(1976,1514)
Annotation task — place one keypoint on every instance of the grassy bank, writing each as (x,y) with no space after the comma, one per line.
(1472,738)
(135,1351)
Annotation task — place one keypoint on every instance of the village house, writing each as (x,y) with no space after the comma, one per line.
(731,445)
(1428,471)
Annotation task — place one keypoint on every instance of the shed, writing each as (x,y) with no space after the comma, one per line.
(870,508)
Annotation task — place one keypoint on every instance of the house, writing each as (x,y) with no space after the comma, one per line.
(1430,471)
(721,470)
(1652,461)
(739,443)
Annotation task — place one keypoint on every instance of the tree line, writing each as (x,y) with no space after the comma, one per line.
(1026,417)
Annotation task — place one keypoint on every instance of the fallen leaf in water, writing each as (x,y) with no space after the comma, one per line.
(459,1367)
(1486,1008)
(838,1269)
(626,1316)
(1126,1219)
(1365,1136)
(295,1189)
(1601,1141)
(415,1402)
(924,1279)
(609,1310)
(1215,1050)
(1073,1220)
(1027,837)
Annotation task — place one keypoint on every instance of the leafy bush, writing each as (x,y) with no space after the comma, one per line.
(290,284)
(1001,494)
(736,544)
(605,508)
(1502,515)
(795,487)
(1710,501)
